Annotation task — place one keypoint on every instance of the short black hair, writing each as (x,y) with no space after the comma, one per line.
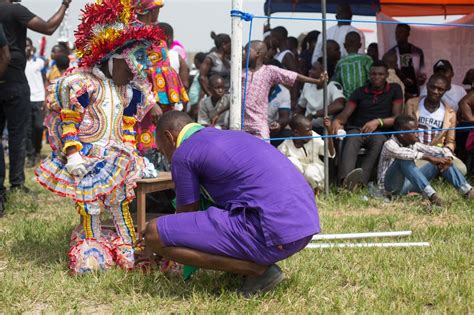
(281,31)
(61,48)
(167,29)
(404,25)
(310,37)
(352,39)
(402,121)
(214,78)
(379,63)
(220,39)
(62,62)
(200,56)
(173,120)
(438,76)
(442,66)
(297,120)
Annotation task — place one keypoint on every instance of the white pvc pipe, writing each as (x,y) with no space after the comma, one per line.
(359,245)
(359,235)
(236,68)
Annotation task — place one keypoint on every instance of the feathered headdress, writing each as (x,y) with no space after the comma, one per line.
(107,28)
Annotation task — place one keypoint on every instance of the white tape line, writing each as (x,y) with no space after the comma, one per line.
(359,235)
(345,245)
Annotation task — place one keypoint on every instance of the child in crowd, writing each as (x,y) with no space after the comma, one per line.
(212,104)
(260,81)
(304,153)
(398,173)
(62,62)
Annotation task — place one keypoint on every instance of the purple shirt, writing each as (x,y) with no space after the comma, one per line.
(241,171)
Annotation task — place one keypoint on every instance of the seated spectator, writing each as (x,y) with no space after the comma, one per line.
(279,40)
(465,138)
(304,153)
(454,92)
(411,61)
(352,71)
(467,107)
(432,112)
(390,59)
(373,51)
(398,173)
(370,108)
(334,55)
(469,80)
(311,101)
(213,104)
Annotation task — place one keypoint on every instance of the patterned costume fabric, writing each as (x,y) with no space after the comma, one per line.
(96,117)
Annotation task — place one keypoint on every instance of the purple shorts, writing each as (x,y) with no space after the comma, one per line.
(236,234)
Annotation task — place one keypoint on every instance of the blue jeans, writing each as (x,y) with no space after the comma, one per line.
(403,177)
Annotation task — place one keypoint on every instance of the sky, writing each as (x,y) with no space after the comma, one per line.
(193,20)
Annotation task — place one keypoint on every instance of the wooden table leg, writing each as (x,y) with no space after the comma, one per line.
(141,212)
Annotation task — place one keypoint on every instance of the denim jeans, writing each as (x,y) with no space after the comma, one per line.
(14,112)
(403,177)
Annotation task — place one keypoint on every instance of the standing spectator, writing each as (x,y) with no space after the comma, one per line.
(57,51)
(211,105)
(454,92)
(62,63)
(307,48)
(14,90)
(284,55)
(304,153)
(410,60)
(434,113)
(216,62)
(373,51)
(352,71)
(370,108)
(311,101)
(338,32)
(34,66)
(4,52)
(334,55)
(390,59)
(177,62)
(398,173)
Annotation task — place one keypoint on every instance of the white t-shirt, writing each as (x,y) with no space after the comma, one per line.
(35,79)
(279,98)
(428,121)
(337,33)
(312,100)
(281,55)
(451,97)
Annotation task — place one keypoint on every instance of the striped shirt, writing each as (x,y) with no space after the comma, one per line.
(352,72)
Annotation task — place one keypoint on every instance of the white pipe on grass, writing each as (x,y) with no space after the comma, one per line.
(359,245)
(359,235)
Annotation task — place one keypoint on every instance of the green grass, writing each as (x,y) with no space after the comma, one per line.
(34,238)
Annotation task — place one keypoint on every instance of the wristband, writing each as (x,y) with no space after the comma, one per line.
(381,122)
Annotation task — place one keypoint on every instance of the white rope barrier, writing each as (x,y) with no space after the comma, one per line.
(359,235)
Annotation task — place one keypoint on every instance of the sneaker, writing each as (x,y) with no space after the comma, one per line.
(353,179)
(470,194)
(264,283)
(436,201)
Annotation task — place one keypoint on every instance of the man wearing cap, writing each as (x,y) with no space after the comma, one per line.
(263,210)
(454,92)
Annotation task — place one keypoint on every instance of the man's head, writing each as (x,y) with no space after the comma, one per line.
(378,74)
(199,59)
(445,68)
(222,42)
(169,33)
(279,34)
(343,12)
(402,32)
(258,51)
(403,123)
(333,51)
(59,50)
(301,127)
(352,42)
(373,51)
(167,130)
(217,85)
(390,59)
(292,43)
(436,87)
(62,62)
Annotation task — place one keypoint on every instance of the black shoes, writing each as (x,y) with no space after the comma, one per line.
(264,283)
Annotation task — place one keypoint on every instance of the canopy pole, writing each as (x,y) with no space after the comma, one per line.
(236,68)
(325,98)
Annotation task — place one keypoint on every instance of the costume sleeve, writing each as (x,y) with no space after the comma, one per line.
(186,180)
(22,15)
(69,98)
(282,76)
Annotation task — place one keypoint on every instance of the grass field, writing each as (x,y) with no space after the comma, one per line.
(34,277)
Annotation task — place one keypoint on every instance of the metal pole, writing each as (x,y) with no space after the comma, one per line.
(236,68)
(353,245)
(345,236)
(325,98)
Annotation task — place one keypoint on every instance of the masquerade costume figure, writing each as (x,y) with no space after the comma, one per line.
(91,132)
(166,84)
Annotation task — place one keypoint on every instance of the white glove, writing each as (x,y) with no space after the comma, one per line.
(75,165)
